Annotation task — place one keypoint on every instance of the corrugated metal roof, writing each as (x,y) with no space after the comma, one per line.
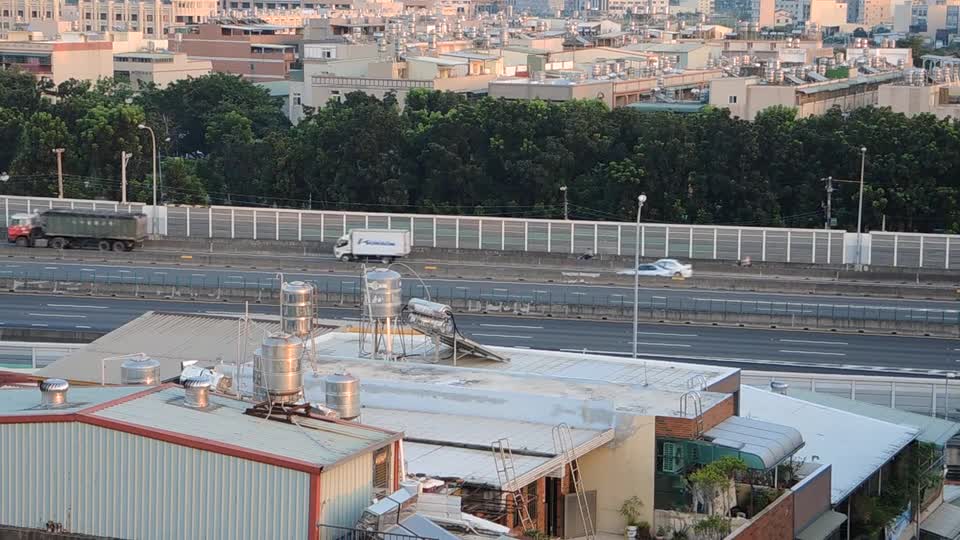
(26,401)
(313,441)
(823,527)
(932,430)
(843,84)
(772,443)
(856,446)
(169,338)
(471,466)
(472,430)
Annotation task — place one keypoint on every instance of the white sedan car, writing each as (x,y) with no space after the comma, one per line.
(676,268)
(661,268)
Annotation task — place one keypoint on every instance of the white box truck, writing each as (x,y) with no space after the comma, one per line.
(372,244)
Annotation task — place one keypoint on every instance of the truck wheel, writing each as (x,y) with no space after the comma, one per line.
(22,241)
(128,246)
(386,260)
(344,258)
(58,243)
(103,245)
(119,246)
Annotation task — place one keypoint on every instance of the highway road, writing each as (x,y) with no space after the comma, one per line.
(652,296)
(747,348)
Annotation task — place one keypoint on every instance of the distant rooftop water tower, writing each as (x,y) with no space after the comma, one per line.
(382,302)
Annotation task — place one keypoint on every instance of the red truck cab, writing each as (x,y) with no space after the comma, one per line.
(20,230)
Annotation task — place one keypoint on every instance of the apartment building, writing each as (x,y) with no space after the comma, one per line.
(941,100)
(256,51)
(57,60)
(746,97)
(152,18)
(140,68)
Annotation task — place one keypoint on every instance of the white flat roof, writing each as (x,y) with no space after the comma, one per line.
(856,446)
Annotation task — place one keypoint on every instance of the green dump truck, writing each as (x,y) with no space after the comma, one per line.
(64,228)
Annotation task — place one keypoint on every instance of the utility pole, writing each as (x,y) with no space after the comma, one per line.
(829,180)
(59,153)
(863,165)
(124,159)
(566,208)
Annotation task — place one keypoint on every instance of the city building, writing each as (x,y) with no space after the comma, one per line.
(939,99)
(165,461)
(74,57)
(688,55)
(757,12)
(827,13)
(152,18)
(254,50)
(140,68)
(748,96)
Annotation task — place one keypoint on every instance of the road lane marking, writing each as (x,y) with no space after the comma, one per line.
(77,306)
(654,344)
(813,342)
(463,288)
(199,275)
(38,324)
(60,315)
(82,326)
(665,334)
(513,326)
(87,270)
(50,268)
(820,353)
(503,336)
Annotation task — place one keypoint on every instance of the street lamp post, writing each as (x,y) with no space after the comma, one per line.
(566,211)
(153,140)
(946,394)
(636,275)
(124,159)
(863,162)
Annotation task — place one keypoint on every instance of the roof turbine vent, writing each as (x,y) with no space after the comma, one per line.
(196,392)
(53,393)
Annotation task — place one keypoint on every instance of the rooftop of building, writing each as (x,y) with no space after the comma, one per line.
(856,446)
(443,445)
(932,430)
(23,402)
(666,47)
(319,442)
(169,338)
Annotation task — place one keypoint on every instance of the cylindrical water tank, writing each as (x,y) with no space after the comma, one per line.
(383,297)
(278,369)
(140,371)
(342,394)
(296,313)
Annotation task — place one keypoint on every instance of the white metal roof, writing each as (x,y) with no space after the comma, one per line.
(319,442)
(471,466)
(429,427)
(772,443)
(169,338)
(26,401)
(855,446)
(932,430)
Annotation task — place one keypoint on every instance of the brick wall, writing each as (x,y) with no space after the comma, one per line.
(774,523)
(685,428)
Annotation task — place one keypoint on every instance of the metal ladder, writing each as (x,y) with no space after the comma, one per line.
(563,442)
(507,474)
(694,397)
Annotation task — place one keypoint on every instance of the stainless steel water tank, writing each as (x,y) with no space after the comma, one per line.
(342,394)
(53,392)
(140,371)
(296,313)
(277,368)
(383,297)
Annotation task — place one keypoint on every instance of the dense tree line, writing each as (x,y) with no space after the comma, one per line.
(224,140)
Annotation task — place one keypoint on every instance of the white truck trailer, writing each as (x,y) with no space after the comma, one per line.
(373,245)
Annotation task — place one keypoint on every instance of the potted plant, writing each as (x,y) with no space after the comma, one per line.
(683,533)
(643,531)
(661,533)
(630,510)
